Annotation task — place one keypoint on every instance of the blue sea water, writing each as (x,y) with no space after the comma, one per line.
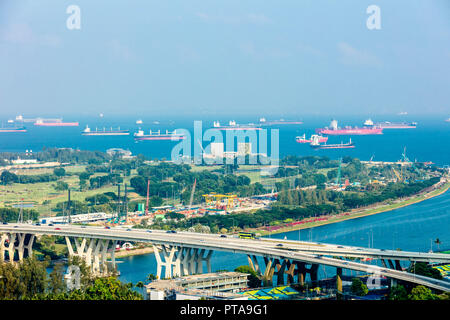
(428,142)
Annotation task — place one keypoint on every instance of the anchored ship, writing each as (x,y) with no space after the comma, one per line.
(447,120)
(13,129)
(54,123)
(87,132)
(158,135)
(139,121)
(232,125)
(316,145)
(264,122)
(302,139)
(335,130)
(391,125)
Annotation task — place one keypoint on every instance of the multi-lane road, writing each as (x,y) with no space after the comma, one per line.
(316,253)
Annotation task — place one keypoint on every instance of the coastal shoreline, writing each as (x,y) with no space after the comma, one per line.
(363,213)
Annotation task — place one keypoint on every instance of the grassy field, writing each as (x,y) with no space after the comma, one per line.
(37,193)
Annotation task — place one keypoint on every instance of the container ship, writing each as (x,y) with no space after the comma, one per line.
(88,132)
(315,145)
(54,123)
(233,126)
(264,122)
(302,139)
(158,135)
(391,125)
(13,129)
(335,130)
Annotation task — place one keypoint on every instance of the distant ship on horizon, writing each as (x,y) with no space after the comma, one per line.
(54,123)
(391,125)
(264,122)
(302,139)
(232,125)
(158,135)
(335,130)
(88,132)
(12,129)
(316,145)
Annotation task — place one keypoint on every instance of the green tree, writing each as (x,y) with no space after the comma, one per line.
(253,280)
(424,269)
(59,172)
(358,287)
(422,293)
(398,292)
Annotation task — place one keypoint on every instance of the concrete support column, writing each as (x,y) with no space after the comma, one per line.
(268,272)
(11,246)
(281,267)
(3,238)
(301,272)
(29,246)
(290,271)
(313,274)
(339,279)
(168,254)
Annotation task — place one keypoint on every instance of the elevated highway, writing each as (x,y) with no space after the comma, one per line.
(183,252)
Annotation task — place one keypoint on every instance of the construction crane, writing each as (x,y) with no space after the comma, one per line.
(338,177)
(192,194)
(148,189)
(398,175)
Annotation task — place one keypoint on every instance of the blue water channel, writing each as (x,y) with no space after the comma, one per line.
(412,228)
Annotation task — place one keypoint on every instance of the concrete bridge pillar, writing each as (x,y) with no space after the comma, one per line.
(12,242)
(339,279)
(93,254)
(179,261)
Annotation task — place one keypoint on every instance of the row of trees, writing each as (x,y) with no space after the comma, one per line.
(29,279)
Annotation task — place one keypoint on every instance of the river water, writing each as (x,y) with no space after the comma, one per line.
(411,228)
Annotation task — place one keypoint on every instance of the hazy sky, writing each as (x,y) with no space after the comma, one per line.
(224,56)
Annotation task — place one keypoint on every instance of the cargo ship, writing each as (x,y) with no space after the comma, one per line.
(54,123)
(391,125)
(88,132)
(335,130)
(264,122)
(13,129)
(158,135)
(302,139)
(315,145)
(233,126)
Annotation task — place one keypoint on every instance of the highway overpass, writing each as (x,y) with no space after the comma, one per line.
(183,253)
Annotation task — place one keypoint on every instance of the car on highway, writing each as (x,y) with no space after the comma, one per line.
(107,227)
(149,231)
(50,225)
(57,228)
(279,245)
(129,229)
(83,226)
(340,246)
(16,226)
(5,222)
(37,224)
(223,236)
